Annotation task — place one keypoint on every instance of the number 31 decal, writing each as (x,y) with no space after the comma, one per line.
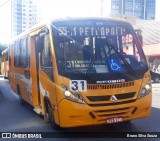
(78,85)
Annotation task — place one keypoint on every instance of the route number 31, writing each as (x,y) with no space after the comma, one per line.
(78,85)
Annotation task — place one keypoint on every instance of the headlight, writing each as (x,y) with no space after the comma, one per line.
(145,90)
(72,96)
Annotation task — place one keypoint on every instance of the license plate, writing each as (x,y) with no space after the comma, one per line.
(114,120)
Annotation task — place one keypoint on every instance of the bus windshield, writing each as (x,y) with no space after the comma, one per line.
(92,46)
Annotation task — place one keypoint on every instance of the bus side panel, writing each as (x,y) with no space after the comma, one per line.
(28,82)
(22,84)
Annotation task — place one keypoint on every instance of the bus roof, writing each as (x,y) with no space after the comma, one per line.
(89,18)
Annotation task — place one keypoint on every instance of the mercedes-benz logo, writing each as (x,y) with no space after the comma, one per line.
(113,98)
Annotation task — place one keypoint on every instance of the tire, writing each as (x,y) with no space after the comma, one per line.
(46,118)
(22,102)
(49,117)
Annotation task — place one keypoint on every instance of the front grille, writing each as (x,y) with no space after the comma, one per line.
(99,98)
(112,110)
(125,96)
(111,104)
(102,115)
(116,114)
(107,97)
(109,86)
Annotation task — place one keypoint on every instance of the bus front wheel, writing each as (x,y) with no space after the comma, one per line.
(49,117)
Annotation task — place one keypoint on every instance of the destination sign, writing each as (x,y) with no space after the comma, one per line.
(91,31)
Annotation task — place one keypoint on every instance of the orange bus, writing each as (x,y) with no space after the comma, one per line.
(82,71)
(4,63)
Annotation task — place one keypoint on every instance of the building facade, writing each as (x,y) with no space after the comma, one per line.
(141,9)
(24,15)
(5,21)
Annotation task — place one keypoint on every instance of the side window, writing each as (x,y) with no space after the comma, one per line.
(28,51)
(46,52)
(16,54)
(10,54)
(46,57)
(130,48)
(23,54)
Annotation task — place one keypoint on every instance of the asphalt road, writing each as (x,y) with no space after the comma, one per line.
(18,118)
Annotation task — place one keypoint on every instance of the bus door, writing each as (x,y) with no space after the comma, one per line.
(46,76)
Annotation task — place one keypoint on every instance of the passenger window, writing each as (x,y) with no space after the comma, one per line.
(23,54)
(16,54)
(46,53)
(28,52)
(46,57)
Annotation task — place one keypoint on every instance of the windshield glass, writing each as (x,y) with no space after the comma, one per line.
(97,47)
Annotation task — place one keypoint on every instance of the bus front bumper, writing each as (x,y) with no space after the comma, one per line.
(74,114)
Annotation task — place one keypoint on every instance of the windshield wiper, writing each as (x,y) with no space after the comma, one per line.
(90,65)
